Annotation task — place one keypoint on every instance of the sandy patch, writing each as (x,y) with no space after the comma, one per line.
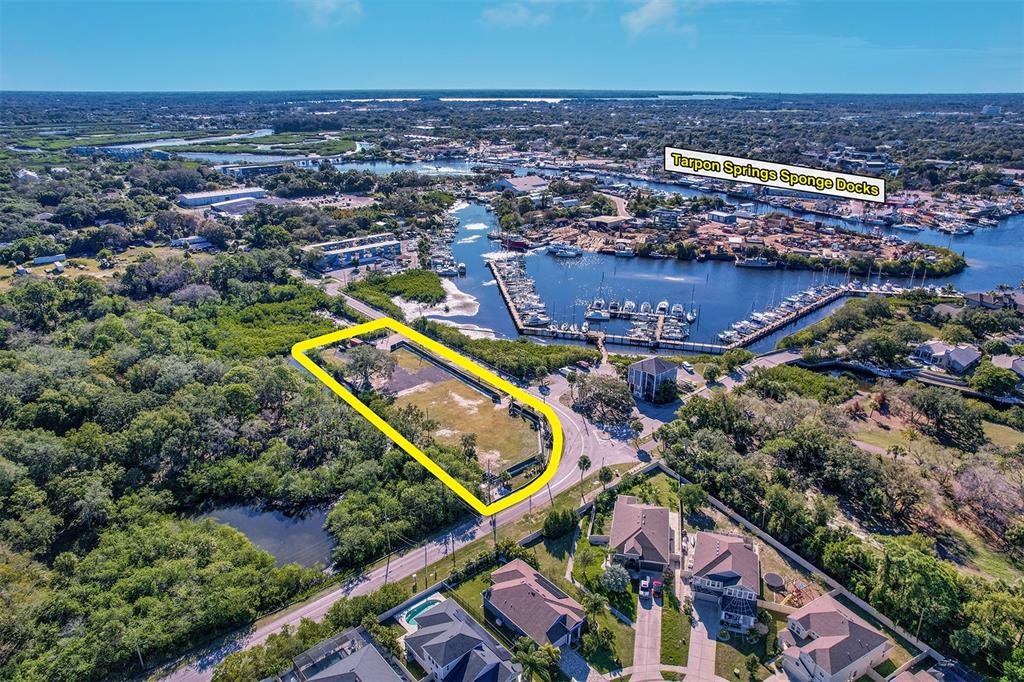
(458,304)
(413,389)
(490,460)
(446,433)
(471,330)
(468,404)
(458,205)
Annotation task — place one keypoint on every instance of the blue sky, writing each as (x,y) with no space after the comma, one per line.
(718,45)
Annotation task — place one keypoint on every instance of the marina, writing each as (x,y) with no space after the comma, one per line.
(721,293)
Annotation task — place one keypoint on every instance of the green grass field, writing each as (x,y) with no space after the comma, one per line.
(675,631)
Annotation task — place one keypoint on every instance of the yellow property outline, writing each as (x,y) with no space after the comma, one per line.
(299,353)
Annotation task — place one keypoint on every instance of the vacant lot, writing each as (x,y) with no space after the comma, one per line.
(459,409)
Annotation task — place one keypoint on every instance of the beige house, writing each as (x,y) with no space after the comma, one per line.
(826,642)
(524,601)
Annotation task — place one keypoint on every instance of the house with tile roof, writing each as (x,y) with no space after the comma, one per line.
(641,536)
(453,647)
(726,569)
(525,602)
(826,642)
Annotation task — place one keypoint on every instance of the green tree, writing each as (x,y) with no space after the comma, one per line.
(583,464)
(615,578)
(988,378)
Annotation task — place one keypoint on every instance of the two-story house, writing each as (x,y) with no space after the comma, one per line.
(825,642)
(726,569)
(452,647)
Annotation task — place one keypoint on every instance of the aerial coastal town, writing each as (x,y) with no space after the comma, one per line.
(342,342)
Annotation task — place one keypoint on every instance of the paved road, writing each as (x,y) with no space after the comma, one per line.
(647,645)
(579,438)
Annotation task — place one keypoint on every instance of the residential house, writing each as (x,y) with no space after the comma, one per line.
(994,300)
(452,647)
(193,242)
(955,358)
(641,536)
(46,260)
(1014,363)
(348,657)
(524,601)
(825,642)
(645,377)
(726,569)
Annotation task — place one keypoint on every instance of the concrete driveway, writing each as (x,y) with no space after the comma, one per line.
(703,640)
(647,645)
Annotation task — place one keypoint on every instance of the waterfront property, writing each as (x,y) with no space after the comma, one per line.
(957,358)
(452,647)
(641,537)
(646,377)
(522,600)
(825,642)
(356,250)
(195,199)
(521,184)
(726,570)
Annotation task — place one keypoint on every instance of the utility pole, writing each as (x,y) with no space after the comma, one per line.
(387,538)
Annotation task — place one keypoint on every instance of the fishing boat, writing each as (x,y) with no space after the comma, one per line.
(623,249)
(755,262)
(462,268)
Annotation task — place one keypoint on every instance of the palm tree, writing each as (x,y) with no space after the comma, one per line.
(584,465)
(594,605)
(549,655)
(527,656)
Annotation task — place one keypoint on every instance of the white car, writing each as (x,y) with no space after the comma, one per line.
(688,367)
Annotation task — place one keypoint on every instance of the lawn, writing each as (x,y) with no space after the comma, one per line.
(675,631)
(501,439)
(732,655)
(969,551)
(1003,436)
(469,594)
(553,558)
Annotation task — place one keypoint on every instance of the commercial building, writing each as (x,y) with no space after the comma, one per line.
(193,199)
(45,260)
(357,250)
(723,217)
(193,243)
(520,184)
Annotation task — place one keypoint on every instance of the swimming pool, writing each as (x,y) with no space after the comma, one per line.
(425,605)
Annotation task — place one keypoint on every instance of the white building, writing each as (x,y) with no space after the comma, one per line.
(193,199)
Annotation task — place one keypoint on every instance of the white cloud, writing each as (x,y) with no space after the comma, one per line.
(332,12)
(512,15)
(659,15)
(648,15)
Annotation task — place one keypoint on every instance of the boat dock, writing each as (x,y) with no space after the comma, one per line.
(657,342)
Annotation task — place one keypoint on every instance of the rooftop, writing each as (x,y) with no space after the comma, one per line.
(836,637)
(533,603)
(728,559)
(641,529)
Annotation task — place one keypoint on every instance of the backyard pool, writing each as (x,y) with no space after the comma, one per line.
(409,617)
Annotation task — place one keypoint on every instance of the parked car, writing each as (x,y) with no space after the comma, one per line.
(658,587)
(645,587)
(688,367)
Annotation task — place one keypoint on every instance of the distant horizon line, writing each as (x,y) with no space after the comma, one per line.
(535,91)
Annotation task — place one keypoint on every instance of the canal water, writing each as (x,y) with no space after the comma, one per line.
(290,538)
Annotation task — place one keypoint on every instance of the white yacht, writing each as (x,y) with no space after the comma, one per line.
(677,310)
(645,308)
(628,307)
(662,308)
